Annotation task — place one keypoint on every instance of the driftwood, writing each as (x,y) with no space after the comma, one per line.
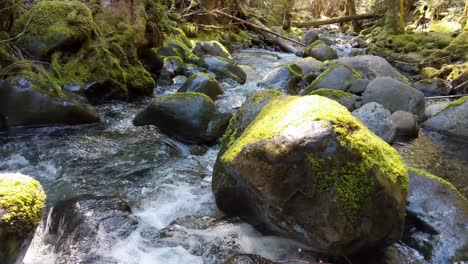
(446,96)
(335,20)
(261,29)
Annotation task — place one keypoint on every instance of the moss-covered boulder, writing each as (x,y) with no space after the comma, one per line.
(32,101)
(213,48)
(308,64)
(310,36)
(338,77)
(22,202)
(223,68)
(173,47)
(53,25)
(189,116)
(394,95)
(432,87)
(307,169)
(343,98)
(202,83)
(283,78)
(320,51)
(452,121)
(174,65)
(378,120)
(248,259)
(436,219)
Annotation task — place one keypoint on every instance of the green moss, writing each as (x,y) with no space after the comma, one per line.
(459,101)
(331,93)
(411,47)
(261,96)
(23,201)
(314,83)
(372,154)
(184,96)
(431,176)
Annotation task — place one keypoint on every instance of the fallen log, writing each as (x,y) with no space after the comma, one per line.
(446,96)
(335,20)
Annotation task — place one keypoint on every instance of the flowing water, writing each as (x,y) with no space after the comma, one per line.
(164,180)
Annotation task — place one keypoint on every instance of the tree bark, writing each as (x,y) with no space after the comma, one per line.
(287,20)
(351,9)
(464,18)
(394,18)
(335,20)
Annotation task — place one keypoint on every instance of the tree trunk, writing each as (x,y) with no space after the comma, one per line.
(335,20)
(351,10)
(209,5)
(394,18)
(287,20)
(464,18)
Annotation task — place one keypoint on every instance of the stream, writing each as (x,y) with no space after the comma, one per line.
(164,180)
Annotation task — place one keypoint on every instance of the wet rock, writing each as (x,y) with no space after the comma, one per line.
(343,98)
(152,61)
(308,64)
(248,259)
(223,68)
(371,67)
(202,83)
(397,253)
(320,51)
(431,87)
(66,25)
(310,36)
(406,124)
(358,86)
(336,77)
(378,120)
(358,42)
(74,225)
(190,116)
(452,121)
(435,108)
(173,65)
(179,80)
(23,105)
(213,48)
(291,170)
(283,78)
(437,217)
(22,202)
(191,69)
(172,48)
(395,95)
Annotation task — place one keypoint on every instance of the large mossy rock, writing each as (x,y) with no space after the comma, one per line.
(223,68)
(452,121)
(310,36)
(22,202)
(305,168)
(202,83)
(54,25)
(320,51)
(308,64)
(213,48)
(437,215)
(395,95)
(371,67)
(336,77)
(190,116)
(378,120)
(24,103)
(283,78)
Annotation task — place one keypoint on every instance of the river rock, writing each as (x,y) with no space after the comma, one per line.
(283,78)
(213,48)
(310,36)
(320,51)
(308,64)
(174,48)
(358,42)
(68,24)
(23,105)
(336,77)
(378,120)
(223,68)
(343,98)
(358,86)
(22,202)
(406,124)
(191,69)
(437,216)
(173,65)
(248,259)
(432,87)
(371,67)
(190,116)
(202,83)
(435,108)
(77,224)
(395,95)
(452,121)
(298,170)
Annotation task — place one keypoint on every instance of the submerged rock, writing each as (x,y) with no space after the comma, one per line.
(437,217)
(190,116)
(298,170)
(25,103)
(283,78)
(395,95)
(452,121)
(223,68)
(213,48)
(320,51)
(343,98)
(336,77)
(22,202)
(378,120)
(202,83)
